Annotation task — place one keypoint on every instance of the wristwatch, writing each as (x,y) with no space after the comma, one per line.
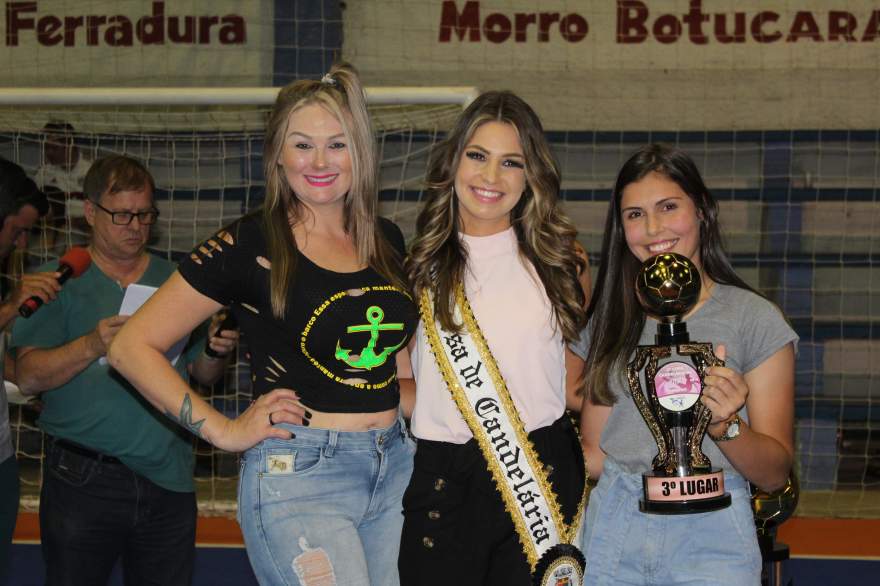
(734,426)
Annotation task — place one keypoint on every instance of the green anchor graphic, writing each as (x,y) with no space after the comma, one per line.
(368,358)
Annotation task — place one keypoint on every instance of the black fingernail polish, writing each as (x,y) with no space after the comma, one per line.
(305,422)
(308,414)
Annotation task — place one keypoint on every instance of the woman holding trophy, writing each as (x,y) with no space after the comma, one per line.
(660,206)
(498,483)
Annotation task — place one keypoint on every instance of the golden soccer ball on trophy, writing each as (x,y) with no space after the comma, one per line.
(668,285)
(774,508)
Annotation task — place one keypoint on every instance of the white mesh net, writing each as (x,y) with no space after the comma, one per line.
(799,212)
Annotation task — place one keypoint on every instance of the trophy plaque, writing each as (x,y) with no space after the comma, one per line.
(665,382)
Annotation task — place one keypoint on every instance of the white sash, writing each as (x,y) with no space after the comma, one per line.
(479,391)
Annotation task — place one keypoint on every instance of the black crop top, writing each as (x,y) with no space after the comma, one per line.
(336,346)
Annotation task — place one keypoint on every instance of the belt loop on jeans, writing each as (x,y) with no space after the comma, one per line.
(401,426)
(330,448)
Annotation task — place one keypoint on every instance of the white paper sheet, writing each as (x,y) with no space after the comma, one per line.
(135,296)
(14,394)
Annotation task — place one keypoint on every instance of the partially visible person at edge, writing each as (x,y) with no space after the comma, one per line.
(117,478)
(21,205)
(660,204)
(491,224)
(64,166)
(61,176)
(315,280)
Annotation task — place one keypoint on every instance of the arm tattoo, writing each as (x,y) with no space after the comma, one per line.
(185,417)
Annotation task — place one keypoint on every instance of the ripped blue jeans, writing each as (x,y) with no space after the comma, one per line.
(325,507)
(625,546)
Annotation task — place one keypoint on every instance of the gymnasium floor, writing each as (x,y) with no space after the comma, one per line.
(825,552)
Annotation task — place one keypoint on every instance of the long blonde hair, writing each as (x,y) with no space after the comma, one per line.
(340,93)
(545,235)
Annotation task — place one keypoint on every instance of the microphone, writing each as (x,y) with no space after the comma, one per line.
(74,263)
(229,323)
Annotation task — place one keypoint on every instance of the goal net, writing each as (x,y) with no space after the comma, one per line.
(799,212)
(775,100)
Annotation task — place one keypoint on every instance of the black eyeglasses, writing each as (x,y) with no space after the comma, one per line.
(124,218)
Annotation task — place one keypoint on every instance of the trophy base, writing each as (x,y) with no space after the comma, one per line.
(681,495)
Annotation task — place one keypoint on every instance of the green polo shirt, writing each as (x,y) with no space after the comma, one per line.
(98,408)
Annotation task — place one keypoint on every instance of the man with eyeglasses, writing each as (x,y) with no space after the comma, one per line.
(117,478)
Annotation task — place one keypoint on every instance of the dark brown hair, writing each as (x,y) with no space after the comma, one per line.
(18,190)
(116,173)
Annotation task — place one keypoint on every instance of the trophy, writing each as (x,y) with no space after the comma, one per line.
(772,509)
(665,381)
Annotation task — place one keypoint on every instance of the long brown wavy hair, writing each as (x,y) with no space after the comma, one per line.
(546,236)
(616,318)
(340,93)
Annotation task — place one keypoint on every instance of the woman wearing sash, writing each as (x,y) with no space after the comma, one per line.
(316,282)
(501,284)
(660,204)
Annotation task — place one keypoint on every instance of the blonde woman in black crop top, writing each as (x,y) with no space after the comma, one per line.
(314,278)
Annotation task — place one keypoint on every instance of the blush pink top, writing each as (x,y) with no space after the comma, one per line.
(517,320)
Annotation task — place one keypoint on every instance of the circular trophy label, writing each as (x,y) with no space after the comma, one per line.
(561,565)
(678,386)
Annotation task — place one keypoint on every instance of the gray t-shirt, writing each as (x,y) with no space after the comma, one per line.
(752,329)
